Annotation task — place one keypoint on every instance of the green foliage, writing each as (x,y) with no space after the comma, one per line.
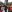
(1,3)
(11,2)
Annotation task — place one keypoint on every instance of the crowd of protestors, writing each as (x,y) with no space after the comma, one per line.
(3,8)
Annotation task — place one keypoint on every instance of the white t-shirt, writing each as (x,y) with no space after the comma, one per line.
(7,10)
(3,11)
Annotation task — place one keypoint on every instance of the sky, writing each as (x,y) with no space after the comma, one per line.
(9,0)
(4,1)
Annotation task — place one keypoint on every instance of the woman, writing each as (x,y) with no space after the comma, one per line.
(10,7)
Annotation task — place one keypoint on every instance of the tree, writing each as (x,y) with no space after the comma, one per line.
(1,3)
(11,2)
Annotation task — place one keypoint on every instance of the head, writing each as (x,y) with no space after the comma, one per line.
(10,5)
